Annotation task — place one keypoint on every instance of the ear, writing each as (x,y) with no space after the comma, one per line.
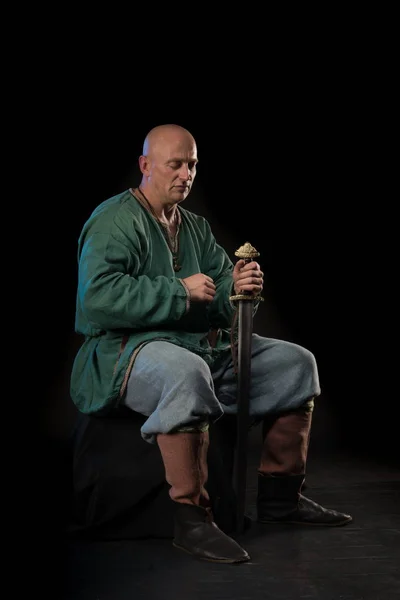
(144,165)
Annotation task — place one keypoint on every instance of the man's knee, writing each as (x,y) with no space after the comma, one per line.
(300,357)
(193,370)
(301,367)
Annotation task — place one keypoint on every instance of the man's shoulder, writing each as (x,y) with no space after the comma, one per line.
(115,209)
(113,205)
(114,215)
(193,217)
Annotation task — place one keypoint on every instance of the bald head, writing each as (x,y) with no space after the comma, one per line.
(164,135)
(168,164)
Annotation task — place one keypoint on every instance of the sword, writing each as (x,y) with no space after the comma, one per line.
(245,308)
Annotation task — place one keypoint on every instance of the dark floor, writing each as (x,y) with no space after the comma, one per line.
(360,561)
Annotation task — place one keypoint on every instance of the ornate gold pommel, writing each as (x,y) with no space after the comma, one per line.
(247,251)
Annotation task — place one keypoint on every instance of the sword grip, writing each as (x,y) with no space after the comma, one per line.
(246,292)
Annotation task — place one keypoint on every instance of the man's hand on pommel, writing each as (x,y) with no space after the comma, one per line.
(248,277)
(201,287)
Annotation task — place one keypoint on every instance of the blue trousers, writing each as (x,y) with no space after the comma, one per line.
(177,390)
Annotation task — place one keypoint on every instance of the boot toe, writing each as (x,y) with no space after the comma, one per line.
(309,512)
(199,535)
(216,549)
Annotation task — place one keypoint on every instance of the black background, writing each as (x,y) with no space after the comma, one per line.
(297,155)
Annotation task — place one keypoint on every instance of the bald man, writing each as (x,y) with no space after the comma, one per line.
(153,304)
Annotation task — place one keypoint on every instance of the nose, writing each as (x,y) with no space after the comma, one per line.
(184,172)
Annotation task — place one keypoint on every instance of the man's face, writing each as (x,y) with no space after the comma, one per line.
(172,167)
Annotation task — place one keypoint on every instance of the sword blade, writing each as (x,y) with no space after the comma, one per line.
(245,330)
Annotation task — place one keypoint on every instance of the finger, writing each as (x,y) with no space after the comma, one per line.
(252,280)
(251,266)
(255,274)
(250,286)
(240,264)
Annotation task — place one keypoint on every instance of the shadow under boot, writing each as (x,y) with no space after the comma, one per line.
(282,474)
(185,459)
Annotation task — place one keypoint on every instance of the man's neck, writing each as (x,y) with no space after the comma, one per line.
(163,212)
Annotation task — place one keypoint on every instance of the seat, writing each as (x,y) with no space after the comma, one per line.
(118,481)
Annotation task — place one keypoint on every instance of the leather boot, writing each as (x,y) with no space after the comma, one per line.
(185,459)
(282,474)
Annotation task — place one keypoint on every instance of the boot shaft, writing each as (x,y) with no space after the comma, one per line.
(184,456)
(285,443)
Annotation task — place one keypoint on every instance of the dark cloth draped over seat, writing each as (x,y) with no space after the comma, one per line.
(119,488)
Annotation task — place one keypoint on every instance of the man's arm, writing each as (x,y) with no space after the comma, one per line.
(113,297)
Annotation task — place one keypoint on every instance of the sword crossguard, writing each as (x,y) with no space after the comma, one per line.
(247,252)
(245,297)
